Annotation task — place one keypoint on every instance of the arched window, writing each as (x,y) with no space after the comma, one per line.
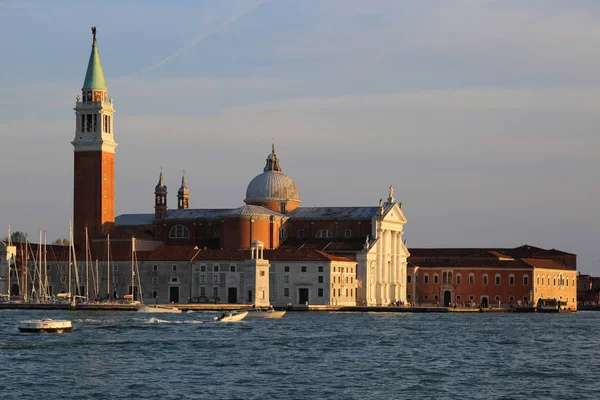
(444,277)
(324,233)
(179,232)
(282,233)
(485,279)
(458,279)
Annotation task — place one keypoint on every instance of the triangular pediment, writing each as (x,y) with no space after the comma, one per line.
(393,213)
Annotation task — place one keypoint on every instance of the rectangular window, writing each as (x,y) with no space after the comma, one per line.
(511,298)
(511,280)
(408,278)
(435,297)
(497,298)
(215,278)
(485,279)
(286,279)
(202,278)
(408,296)
(174,279)
(262,273)
(174,267)
(286,269)
(426,279)
(155,267)
(95,127)
(286,292)
(471,298)
(215,268)
(458,297)
(497,279)
(436,279)
(426,297)
(471,279)
(232,268)
(525,299)
(339,292)
(216,291)
(320,269)
(320,279)
(202,268)
(154,294)
(303,269)
(320,292)
(525,280)
(458,279)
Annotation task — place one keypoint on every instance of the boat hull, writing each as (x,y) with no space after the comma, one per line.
(266,314)
(233,317)
(46,326)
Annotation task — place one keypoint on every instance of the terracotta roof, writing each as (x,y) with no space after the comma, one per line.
(549,264)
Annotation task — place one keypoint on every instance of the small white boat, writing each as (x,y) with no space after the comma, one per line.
(270,313)
(231,316)
(46,325)
(157,309)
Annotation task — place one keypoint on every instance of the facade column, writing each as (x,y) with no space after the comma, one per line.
(379,272)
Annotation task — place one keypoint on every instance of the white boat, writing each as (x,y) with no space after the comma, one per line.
(157,309)
(46,325)
(270,313)
(231,316)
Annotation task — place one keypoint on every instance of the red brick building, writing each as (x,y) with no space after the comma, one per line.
(491,277)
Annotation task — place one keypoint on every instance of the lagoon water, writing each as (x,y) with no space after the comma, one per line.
(314,355)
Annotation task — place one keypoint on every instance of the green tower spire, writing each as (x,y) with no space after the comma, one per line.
(94,77)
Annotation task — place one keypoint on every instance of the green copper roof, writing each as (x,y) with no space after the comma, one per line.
(94,77)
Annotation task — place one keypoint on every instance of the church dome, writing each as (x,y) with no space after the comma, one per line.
(272,184)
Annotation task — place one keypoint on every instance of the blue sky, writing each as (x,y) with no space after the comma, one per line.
(482,114)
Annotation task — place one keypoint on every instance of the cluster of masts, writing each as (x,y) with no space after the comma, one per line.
(32,278)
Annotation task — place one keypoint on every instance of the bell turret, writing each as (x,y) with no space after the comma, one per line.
(183,195)
(160,198)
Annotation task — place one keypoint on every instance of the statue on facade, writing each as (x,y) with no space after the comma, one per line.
(94,31)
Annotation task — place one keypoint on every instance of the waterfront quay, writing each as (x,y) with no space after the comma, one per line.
(224,307)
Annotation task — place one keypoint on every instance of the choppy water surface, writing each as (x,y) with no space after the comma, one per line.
(127,355)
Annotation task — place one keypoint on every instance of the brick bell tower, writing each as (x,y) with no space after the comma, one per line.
(94,150)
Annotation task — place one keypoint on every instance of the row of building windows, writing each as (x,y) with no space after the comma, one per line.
(447,278)
(556,281)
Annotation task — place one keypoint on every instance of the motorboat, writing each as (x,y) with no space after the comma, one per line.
(231,316)
(268,313)
(48,325)
(157,309)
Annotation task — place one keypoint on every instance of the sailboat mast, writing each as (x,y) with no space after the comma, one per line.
(26,273)
(132,268)
(46,293)
(70,259)
(87,269)
(39,267)
(8,280)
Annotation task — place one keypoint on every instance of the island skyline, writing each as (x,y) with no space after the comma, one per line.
(495,155)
